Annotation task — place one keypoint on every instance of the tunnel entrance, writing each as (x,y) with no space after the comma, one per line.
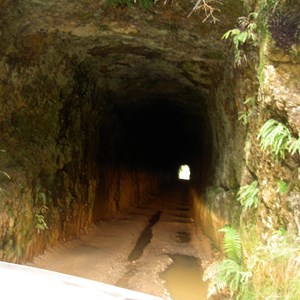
(143,129)
(154,134)
(111,106)
(110,109)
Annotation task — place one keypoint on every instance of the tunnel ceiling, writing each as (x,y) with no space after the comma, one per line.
(161,112)
(159,44)
(151,72)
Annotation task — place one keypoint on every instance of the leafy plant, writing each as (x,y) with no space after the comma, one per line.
(40,218)
(250,108)
(40,209)
(275,136)
(229,274)
(246,33)
(232,244)
(248,195)
(282,186)
(294,146)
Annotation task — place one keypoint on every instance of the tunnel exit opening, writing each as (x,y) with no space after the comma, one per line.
(184,172)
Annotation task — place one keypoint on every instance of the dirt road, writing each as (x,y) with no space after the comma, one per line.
(134,249)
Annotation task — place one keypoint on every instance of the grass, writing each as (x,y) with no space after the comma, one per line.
(276,268)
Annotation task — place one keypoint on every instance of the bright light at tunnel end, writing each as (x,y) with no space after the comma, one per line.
(184,172)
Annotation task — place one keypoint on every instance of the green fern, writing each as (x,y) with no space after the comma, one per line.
(217,282)
(248,195)
(249,109)
(276,137)
(225,274)
(232,244)
(229,273)
(245,34)
(294,146)
(283,187)
(41,224)
(235,275)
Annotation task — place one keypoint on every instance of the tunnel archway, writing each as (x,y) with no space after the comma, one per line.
(94,100)
(106,108)
(145,126)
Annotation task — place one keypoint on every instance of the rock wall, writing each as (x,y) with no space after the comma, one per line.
(279,96)
(65,77)
(216,204)
(51,124)
(120,189)
(272,82)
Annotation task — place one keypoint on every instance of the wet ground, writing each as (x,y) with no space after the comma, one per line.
(182,278)
(155,248)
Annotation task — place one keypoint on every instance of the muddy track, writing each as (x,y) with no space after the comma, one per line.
(134,249)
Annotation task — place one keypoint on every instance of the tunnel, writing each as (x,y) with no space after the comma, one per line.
(110,109)
(102,104)
(139,122)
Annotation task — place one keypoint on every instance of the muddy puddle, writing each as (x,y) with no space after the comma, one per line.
(183,279)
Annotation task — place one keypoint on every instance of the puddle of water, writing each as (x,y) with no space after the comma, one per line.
(144,238)
(184,279)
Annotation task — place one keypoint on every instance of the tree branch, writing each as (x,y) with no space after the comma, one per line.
(209,9)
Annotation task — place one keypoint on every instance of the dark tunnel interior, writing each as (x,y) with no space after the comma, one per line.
(139,130)
(159,132)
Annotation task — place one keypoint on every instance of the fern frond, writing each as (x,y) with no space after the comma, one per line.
(294,146)
(216,277)
(275,136)
(232,244)
(211,271)
(248,195)
(229,274)
(232,273)
(283,186)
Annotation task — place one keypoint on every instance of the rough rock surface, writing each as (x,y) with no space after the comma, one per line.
(75,76)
